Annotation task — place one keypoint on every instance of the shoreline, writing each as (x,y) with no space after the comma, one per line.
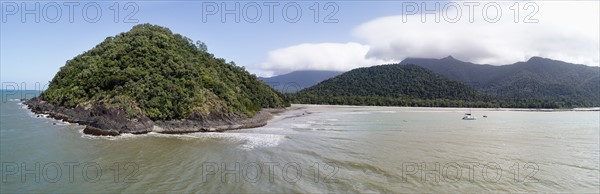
(591,109)
(183,126)
(260,119)
(102,121)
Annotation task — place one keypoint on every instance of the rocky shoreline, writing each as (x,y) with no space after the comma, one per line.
(110,121)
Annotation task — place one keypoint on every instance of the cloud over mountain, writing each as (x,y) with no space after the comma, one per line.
(321,56)
(566,31)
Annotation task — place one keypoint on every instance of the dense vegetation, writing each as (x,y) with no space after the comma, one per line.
(398,81)
(149,71)
(396,85)
(405,85)
(532,82)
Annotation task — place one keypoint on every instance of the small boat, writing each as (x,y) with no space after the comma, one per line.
(484,116)
(468,116)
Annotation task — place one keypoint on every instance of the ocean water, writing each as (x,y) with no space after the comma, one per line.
(313,149)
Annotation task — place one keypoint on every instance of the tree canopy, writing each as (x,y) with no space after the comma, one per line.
(161,75)
(405,85)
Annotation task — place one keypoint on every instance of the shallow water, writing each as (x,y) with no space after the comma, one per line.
(313,149)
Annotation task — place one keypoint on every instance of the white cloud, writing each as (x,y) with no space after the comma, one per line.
(567,31)
(322,56)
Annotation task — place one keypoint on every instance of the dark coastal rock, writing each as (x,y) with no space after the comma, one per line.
(111,121)
(103,117)
(215,124)
(99,119)
(100,132)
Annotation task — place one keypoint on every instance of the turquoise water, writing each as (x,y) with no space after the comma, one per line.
(313,149)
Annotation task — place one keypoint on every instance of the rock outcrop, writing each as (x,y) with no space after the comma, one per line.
(111,121)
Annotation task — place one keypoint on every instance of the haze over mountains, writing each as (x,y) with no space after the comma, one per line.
(298,80)
(389,85)
(530,83)
(538,78)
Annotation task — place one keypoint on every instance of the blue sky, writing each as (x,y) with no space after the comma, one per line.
(366,33)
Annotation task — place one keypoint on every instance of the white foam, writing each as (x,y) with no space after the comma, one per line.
(301,125)
(23,106)
(62,123)
(120,137)
(247,140)
(269,129)
(356,113)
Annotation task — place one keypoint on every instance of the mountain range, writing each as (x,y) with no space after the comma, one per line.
(298,80)
(531,83)
(388,85)
(538,78)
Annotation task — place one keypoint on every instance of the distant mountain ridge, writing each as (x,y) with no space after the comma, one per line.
(448,82)
(298,80)
(538,78)
(410,81)
(389,85)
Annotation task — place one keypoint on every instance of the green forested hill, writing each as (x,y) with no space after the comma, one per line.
(150,71)
(412,85)
(398,85)
(399,81)
(541,79)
